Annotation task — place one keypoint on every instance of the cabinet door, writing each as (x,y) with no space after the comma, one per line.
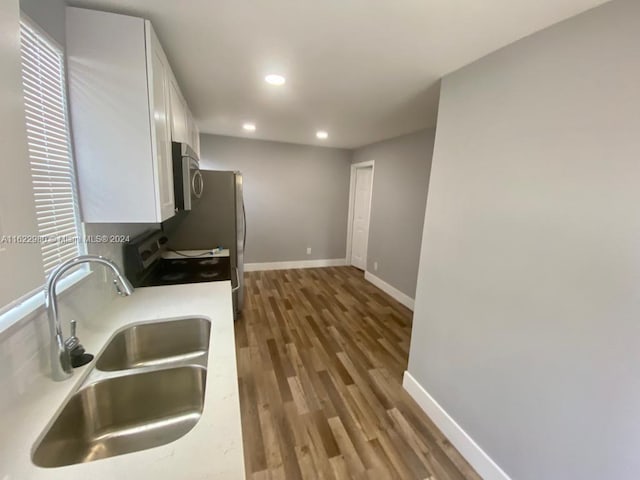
(108,66)
(193,133)
(190,130)
(178,113)
(159,85)
(196,140)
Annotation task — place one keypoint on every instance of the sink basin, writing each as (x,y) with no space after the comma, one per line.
(156,343)
(146,390)
(124,414)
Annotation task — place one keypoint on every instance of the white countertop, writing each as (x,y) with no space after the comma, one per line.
(212,449)
(178,254)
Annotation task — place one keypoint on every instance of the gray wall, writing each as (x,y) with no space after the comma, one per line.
(527,321)
(401,176)
(296,196)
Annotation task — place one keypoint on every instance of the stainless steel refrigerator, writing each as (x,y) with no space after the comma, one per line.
(217,219)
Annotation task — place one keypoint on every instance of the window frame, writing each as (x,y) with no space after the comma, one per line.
(14,313)
(79,229)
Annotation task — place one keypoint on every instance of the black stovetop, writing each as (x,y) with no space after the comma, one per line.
(186,270)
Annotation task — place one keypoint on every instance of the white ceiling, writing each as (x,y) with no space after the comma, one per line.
(364,70)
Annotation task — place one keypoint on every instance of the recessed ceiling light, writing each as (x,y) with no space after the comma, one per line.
(275,79)
(322,134)
(249,127)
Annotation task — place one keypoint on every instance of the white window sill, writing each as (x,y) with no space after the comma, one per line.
(13,314)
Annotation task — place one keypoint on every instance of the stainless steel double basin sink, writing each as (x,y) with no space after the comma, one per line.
(146,389)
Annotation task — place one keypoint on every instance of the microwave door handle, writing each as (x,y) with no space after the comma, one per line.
(197,184)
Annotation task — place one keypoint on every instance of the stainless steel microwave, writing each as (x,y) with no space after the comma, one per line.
(187,179)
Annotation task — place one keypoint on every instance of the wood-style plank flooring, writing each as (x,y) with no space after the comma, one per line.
(321,353)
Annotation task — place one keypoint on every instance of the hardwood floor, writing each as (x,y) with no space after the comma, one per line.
(321,353)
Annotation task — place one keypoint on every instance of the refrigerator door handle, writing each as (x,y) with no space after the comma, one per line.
(237,287)
(244,228)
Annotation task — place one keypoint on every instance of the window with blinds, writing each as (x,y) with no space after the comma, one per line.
(52,172)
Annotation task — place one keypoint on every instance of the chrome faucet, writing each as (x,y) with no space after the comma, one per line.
(60,349)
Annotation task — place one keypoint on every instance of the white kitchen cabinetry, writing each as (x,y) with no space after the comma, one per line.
(119,87)
(159,73)
(193,134)
(196,139)
(183,126)
(179,112)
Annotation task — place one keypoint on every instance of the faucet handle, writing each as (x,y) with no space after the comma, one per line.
(119,290)
(72,342)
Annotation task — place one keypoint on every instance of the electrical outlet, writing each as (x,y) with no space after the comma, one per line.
(308,250)
(375,266)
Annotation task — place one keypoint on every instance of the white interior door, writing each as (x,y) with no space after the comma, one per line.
(361,209)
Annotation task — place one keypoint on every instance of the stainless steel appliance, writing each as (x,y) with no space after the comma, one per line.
(187,180)
(148,262)
(218,219)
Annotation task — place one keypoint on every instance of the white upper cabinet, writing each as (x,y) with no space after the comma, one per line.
(179,112)
(160,103)
(196,139)
(193,134)
(125,110)
(183,126)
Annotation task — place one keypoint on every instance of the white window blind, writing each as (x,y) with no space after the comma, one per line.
(51,163)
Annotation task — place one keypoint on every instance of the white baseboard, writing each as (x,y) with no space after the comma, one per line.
(405,300)
(333,262)
(469,449)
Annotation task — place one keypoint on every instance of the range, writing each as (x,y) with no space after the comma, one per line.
(148,262)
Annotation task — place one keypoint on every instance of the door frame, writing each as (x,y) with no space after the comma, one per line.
(352,198)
